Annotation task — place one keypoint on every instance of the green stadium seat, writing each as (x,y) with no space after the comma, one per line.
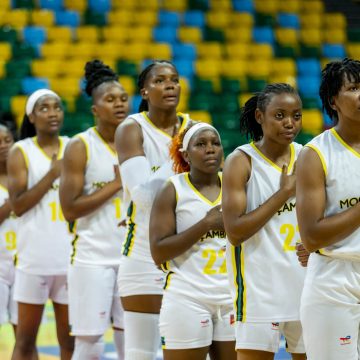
(83,104)
(10,86)
(5,105)
(22,50)
(211,34)
(226,121)
(231,85)
(8,34)
(202,86)
(129,68)
(201,101)
(353,34)
(18,68)
(255,85)
(26,4)
(310,51)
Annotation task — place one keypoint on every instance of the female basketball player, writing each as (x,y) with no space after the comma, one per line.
(142,142)
(260,222)
(187,236)
(329,218)
(43,245)
(90,195)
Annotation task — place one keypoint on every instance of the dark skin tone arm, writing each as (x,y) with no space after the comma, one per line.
(240,225)
(74,203)
(23,199)
(316,230)
(129,140)
(165,243)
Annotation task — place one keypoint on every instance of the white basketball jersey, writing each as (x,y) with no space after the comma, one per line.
(266,278)
(341,165)
(43,245)
(200,272)
(7,242)
(97,236)
(156,148)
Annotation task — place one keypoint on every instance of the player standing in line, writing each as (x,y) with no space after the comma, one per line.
(187,237)
(90,193)
(142,143)
(329,218)
(43,239)
(260,222)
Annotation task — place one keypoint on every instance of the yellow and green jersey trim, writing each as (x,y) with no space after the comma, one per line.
(168,280)
(130,236)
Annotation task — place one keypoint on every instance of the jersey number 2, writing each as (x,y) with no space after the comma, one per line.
(289,230)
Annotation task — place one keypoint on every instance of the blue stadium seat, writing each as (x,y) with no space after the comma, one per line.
(243,5)
(308,85)
(184,67)
(34,35)
(333,51)
(288,20)
(52,4)
(263,34)
(168,18)
(135,102)
(328,123)
(194,18)
(67,18)
(99,6)
(31,84)
(165,34)
(182,51)
(308,67)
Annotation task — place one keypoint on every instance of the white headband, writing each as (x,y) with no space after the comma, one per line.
(35,96)
(195,128)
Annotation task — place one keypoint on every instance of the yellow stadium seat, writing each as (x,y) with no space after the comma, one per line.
(266,6)
(312,37)
(207,68)
(243,98)
(17,104)
(124,4)
(291,80)
(312,121)
(312,6)
(335,36)
(289,6)
(335,20)
(283,66)
(209,49)
(54,50)
(74,68)
(221,5)
(116,33)
(237,19)
(79,5)
(6,4)
(120,17)
(185,87)
(234,68)
(238,35)
(200,115)
(260,51)
(109,50)
(87,33)
(128,83)
(60,33)
(46,68)
(286,36)
(2,68)
(82,50)
(174,5)
(259,68)
(217,19)
(17,18)
(5,51)
(159,51)
(190,34)
(353,50)
(145,18)
(140,34)
(135,52)
(66,86)
(42,17)
(236,51)
(311,20)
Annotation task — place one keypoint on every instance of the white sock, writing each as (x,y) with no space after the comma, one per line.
(88,347)
(142,337)
(119,343)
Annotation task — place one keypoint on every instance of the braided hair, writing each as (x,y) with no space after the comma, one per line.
(97,73)
(248,124)
(332,79)
(143,77)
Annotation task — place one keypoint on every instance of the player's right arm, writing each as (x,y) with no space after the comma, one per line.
(74,202)
(23,199)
